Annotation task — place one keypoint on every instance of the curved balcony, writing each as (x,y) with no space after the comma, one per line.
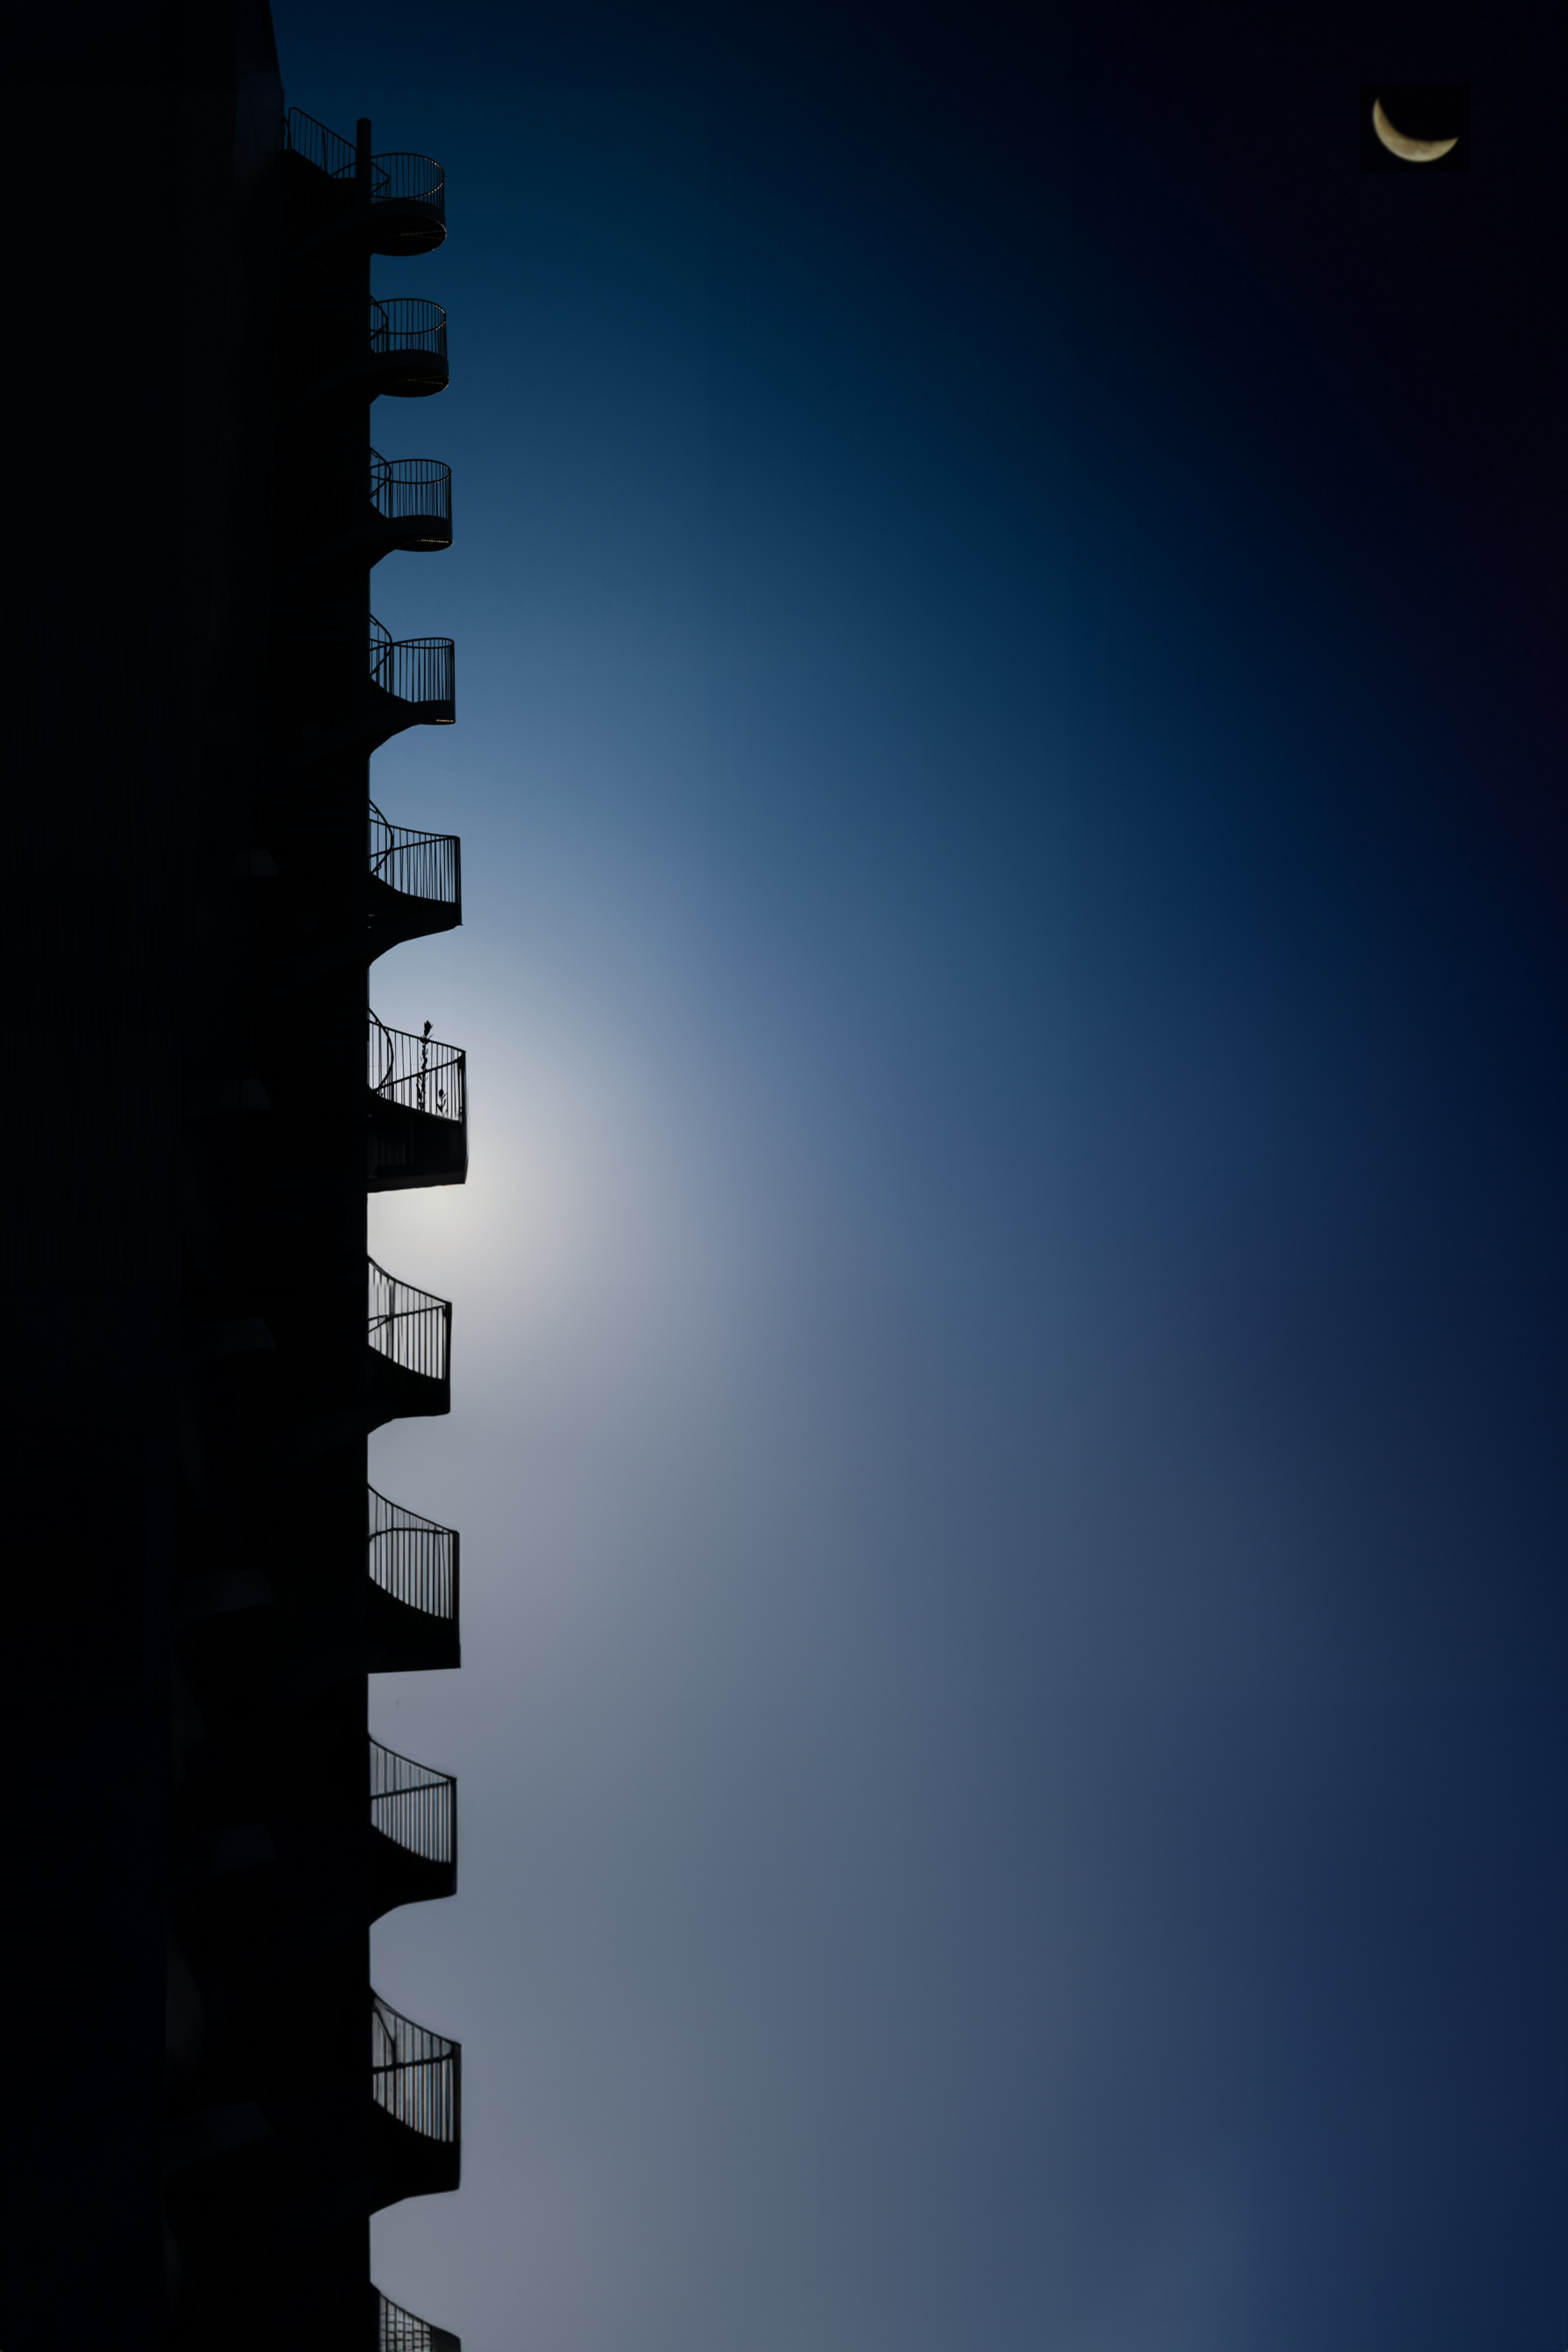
(418,1131)
(335,518)
(391,204)
(409,1359)
(413,683)
(338,355)
(416,2087)
(407,347)
(345,712)
(416,883)
(398,2330)
(413,1831)
(412,1603)
(411,497)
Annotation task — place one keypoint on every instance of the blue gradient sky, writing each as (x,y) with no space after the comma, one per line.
(1009,1309)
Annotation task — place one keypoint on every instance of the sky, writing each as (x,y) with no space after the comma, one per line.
(1009,1352)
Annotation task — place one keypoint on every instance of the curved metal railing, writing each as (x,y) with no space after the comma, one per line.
(400,487)
(418,1072)
(414,2074)
(407,322)
(393,178)
(397,178)
(420,865)
(410,1327)
(414,669)
(317,505)
(411,1805)
(398,2331)
(414,1559)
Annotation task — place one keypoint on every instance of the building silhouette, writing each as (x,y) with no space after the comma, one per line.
(210,2096)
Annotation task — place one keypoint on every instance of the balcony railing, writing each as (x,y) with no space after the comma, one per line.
(416,864)
(407,324)
(416,1130)
(412,1600)
(329,150)
(399,178)
(413,1806)
(413,490)
(412,1329)
(394,179)
(414,2074)
(412,1558)
(337,353)
(420,1073)
(418,671)
(398,2331)
(335,514)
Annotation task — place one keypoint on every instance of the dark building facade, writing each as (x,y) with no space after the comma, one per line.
(217,2096)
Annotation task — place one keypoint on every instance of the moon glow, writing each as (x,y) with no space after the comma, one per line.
(1414,150)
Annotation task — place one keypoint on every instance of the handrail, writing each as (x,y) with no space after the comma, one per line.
(399,2331)
(414,1559)
(411,1328)
(414,2074)
(413,1805)
(400,178)
(394,177)
(420,865)
(418,1072)
(401,486)
(413,669)
(328,150)
(407,322)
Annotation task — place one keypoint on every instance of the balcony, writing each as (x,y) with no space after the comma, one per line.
(409,1359)
(413,683)
(413,1831)
(418,1131)
(338,355)
(412,1604)
(411,498)
(407,347)
(416,2087)
(344,712)
(337,518)
(416,883)
(391,204)
(398,2330)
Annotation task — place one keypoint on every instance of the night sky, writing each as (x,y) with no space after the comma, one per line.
(1010,1345)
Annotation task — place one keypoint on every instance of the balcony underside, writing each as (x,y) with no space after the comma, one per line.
(407,375)
(403,225)
(394,1393)
(377,375)
(407,1149)
(376,536)
(407,1641)
(392,227)
(397,1876)
(388,714)
(404,2163)
(395,916)
(380,717)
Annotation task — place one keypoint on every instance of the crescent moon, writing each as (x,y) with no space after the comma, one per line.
(1414,150)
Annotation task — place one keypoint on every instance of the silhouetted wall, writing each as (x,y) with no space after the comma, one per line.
(142,137)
